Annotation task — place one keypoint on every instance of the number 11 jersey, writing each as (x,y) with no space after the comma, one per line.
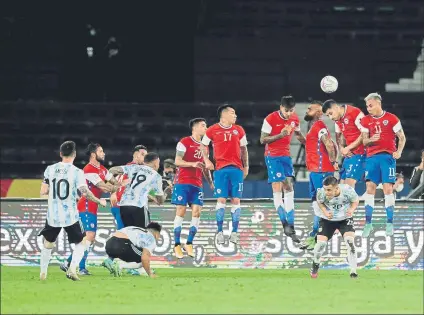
(143,180)
(63,179)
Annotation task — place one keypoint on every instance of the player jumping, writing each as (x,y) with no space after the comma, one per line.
(232,166)
(96,176)
(61,182)
(276,134)
(321,155)
(379,133)
(139,152)
(336,205)
(347,123)
(188,184)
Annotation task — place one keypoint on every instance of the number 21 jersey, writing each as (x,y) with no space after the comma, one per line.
(143,180)
(63,179)
(192,153)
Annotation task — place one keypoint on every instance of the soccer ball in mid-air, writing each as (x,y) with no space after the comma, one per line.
(329,84)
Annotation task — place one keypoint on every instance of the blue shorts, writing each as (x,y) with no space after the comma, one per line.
(279,168)
(380,168)
(315,182)
(228,182)
(89,221)
(353,167)
(186,194)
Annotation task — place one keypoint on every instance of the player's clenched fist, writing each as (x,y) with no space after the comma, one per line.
(286,130)
(397,155)
(375,137)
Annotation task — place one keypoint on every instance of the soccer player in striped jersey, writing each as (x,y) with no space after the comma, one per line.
(139,152)
(347,120)
(61,182)
(99,180)
(336,205)
(188,188)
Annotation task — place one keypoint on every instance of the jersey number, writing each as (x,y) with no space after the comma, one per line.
(392,172)
(137,180)
(227,137)
(198,154)
(57,191)
(377,129)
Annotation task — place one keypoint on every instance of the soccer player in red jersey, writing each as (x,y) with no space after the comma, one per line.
(347,123)
(99,180)
(321,161)
(232,166)
(188,185)
(379,133)
(277,131)
(139,152)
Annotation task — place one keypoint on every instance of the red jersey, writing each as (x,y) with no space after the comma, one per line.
(120,179)
(93,176)
(317,159)
(349,125)
(226,144)
(273,124)
(192,153)
(387,125)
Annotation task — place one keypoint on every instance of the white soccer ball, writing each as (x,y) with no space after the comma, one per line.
(329,84)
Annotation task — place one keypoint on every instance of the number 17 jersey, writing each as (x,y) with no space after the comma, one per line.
(143,180)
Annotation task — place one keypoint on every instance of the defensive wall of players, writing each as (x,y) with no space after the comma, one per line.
(262,244)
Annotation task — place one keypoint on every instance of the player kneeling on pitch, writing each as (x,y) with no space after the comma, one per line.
(336,202)
(133,245)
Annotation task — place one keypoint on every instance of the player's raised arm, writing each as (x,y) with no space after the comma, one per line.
(82,187)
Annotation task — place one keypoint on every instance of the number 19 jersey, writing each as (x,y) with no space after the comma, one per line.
(63,179)
(143,180)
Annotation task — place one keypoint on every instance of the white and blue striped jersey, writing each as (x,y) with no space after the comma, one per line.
(337,205)
(63,179)
(143,180)
(140,237)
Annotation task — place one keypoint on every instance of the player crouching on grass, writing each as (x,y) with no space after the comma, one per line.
(336,203)
(133,245)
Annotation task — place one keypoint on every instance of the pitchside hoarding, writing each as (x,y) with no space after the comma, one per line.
(262,244)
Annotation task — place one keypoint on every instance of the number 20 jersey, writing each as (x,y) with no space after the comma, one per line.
(63,179)
(192,153)
(143,180)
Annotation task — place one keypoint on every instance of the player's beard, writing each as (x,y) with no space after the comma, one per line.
(308,117)
(98,159)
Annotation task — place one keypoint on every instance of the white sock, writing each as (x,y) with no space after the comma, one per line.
(195,222)
(77,255)
(351,253)
(319,250)
(45,259)
(178,221)
(129,265)
(278,200)
(289,201)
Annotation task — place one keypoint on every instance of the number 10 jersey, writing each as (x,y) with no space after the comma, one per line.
(63,179)
(143,180)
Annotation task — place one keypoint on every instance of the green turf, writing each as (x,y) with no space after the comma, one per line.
(213,291)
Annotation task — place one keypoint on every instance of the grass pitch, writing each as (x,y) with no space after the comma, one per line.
(211,291)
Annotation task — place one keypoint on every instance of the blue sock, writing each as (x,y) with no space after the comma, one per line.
(389,213)
(220,218)
(191,233)
(83,260)
(282,215)
(177,235)
(315,227)
(116,212)
(235,216)
(290,217)
(368,213)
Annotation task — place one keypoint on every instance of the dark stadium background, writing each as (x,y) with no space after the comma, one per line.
(180,59)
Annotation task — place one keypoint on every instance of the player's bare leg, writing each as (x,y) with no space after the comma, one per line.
(349,238)
(369,200)
(178,224)
(289,209)
(235,217)
(220,213)
(195,220)
(349,181)
(319,250)
(46,253)
(389,205)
